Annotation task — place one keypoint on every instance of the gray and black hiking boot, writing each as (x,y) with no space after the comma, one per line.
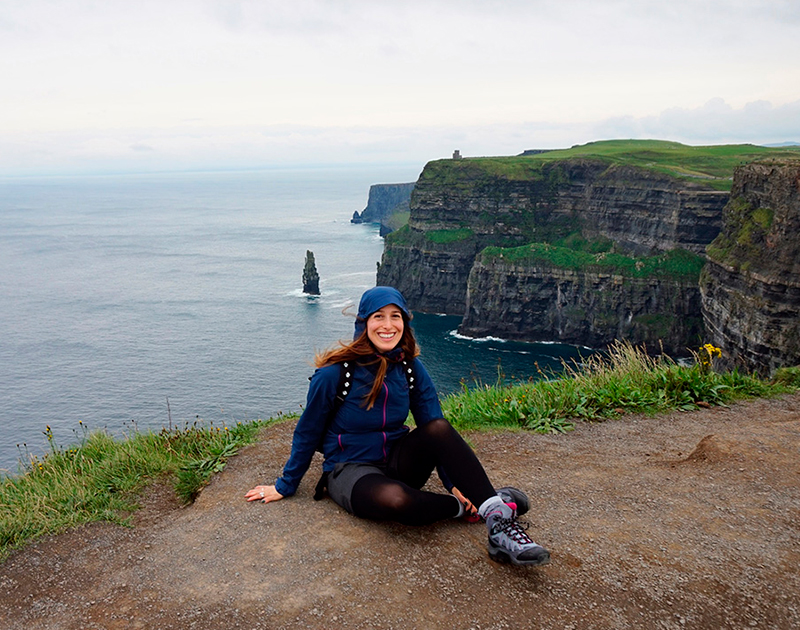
(509,542)
(510,494)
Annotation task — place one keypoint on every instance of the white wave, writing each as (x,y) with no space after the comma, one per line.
(341,304)
(354,274)
(457,335)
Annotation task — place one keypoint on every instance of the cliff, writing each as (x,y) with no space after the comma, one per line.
(587,300)
(458,207)
(388,204)
(581,246)
(751,284)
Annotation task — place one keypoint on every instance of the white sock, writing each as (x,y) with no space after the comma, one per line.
(461,508)
(494,505)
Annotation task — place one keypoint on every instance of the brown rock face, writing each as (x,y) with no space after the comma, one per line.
(458,208)
(541,302)
(751,283)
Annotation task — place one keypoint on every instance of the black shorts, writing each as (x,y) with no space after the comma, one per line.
(344,477)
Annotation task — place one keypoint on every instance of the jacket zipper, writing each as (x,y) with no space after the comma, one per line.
(385,402)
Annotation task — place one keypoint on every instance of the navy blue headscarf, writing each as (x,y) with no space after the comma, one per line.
(374,300)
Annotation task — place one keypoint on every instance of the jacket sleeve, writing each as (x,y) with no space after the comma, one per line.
(310,428)
(424,401)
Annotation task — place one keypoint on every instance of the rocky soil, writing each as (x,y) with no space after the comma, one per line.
(686,520)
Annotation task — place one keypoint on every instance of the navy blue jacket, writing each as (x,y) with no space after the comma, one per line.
(357,434)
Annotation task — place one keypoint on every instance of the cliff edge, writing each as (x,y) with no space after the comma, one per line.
(600,242)
(751,283)
(685,520)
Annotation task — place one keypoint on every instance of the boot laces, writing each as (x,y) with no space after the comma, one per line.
(515,530)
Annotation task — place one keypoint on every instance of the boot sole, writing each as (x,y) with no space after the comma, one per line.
(498,555)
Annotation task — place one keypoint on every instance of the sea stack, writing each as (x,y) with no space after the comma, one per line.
(310,275)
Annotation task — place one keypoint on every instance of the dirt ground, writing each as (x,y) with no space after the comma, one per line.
(686,520)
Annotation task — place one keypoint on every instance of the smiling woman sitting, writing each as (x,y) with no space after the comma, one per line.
(375,465)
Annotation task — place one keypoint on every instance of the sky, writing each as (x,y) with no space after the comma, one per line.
(98,86)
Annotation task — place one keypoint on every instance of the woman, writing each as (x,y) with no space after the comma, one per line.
(374,465)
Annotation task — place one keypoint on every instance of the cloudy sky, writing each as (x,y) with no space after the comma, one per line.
(107,85)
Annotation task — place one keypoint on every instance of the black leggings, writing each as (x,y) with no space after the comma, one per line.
(396,496)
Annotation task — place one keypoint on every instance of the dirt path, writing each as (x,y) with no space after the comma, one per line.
(680,521)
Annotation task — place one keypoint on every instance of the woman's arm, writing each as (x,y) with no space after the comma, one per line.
(424,400)
(310,428)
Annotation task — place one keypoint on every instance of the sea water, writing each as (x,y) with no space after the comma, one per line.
(135,302)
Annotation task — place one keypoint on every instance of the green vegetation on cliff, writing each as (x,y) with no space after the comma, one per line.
(743,236)
(431,239)
(677,264)
(100,478)
(706,165)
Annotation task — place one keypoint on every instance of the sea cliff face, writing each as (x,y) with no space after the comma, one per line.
(643,211)
(540,301)
(459,207)
(385,200)
(751,283)
(428,273)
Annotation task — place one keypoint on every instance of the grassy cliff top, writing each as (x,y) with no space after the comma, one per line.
(676,264)
(712,165)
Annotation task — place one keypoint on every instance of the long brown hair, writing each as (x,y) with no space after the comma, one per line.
(362,351)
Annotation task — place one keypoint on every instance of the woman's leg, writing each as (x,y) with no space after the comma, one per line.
(377,497)
(437,443)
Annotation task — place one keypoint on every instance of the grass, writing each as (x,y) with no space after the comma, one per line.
(100,478)
(623,380)
(709,165)
(742,240)
(676,264)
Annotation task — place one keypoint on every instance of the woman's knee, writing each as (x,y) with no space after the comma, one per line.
(439,428)
(396,500)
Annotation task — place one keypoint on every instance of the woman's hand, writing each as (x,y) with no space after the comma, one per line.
(470,511)
(265,494)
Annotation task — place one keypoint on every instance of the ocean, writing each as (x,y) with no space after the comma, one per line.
(130,302)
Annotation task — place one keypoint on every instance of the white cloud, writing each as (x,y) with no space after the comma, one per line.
(715,122)
(195,146)
(199,80)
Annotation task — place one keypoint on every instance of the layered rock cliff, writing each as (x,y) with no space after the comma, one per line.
(458,207)
(384,202)
(751,283)
(530,298)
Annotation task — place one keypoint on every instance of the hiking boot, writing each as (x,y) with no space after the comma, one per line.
(510,494)
(509,542)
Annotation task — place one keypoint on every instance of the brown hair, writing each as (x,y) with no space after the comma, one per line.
(362,351)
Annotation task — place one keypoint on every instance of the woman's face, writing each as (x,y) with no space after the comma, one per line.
(385,328)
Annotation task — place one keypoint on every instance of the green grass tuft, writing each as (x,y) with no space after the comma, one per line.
(676,264)
(623,380)
(100,478)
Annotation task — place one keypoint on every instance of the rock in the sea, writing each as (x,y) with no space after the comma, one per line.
(310,275)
